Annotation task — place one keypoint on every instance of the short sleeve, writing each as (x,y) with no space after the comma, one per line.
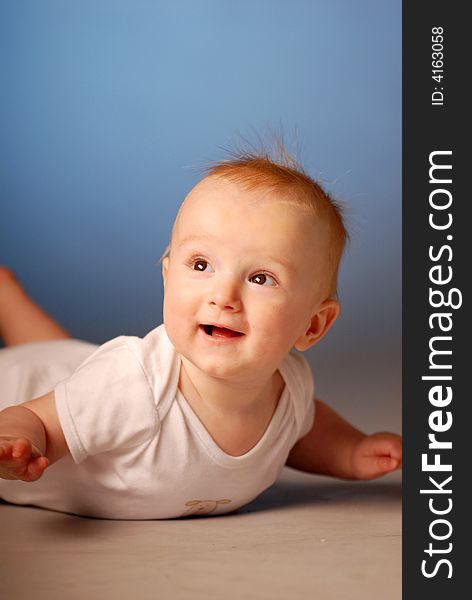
(297,374)
(308,420)
(107,403)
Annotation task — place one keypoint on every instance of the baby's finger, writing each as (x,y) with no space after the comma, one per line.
(21,448)
(386,463)
(4,451)
(35,469)
(6,448)
(383,444)
(376,466)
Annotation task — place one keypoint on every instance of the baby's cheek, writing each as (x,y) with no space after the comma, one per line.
(176,299)
(173,309)
(278,323)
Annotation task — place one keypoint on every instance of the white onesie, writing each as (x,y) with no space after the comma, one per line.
(137,449)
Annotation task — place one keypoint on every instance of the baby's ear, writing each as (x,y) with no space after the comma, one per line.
(165,268)
(320,322)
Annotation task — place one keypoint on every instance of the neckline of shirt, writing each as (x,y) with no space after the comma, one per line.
(214,450)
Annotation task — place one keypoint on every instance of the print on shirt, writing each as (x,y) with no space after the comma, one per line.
(203,507)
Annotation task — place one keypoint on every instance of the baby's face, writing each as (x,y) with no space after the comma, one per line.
(245,274)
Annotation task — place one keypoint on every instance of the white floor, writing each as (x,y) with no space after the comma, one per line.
(307,537)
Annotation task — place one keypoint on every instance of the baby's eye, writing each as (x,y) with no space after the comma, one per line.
(201,265)
(262,279)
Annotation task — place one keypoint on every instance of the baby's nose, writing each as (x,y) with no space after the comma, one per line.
(226,295)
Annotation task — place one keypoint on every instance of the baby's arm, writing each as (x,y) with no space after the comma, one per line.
(334,447)
(31,438)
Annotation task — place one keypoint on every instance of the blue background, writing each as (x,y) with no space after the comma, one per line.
(109,110)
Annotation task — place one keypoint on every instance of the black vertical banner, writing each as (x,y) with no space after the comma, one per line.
(436,325)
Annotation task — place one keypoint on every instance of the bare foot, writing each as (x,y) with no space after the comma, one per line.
(6,276)
(21,319)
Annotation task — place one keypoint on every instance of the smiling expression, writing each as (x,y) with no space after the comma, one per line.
(246,272)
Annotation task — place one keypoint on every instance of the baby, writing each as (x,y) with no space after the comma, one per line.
(200,415)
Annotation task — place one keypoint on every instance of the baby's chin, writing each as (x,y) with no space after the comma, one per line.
(217,368)
(221,369)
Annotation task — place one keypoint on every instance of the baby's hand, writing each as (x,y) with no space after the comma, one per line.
(376,454)
(20,460)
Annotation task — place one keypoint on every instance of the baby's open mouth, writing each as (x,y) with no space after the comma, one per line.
(215,331)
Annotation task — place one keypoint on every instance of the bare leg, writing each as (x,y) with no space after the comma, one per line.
(21,319)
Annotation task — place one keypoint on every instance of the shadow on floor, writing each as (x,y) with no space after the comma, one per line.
(297,493)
